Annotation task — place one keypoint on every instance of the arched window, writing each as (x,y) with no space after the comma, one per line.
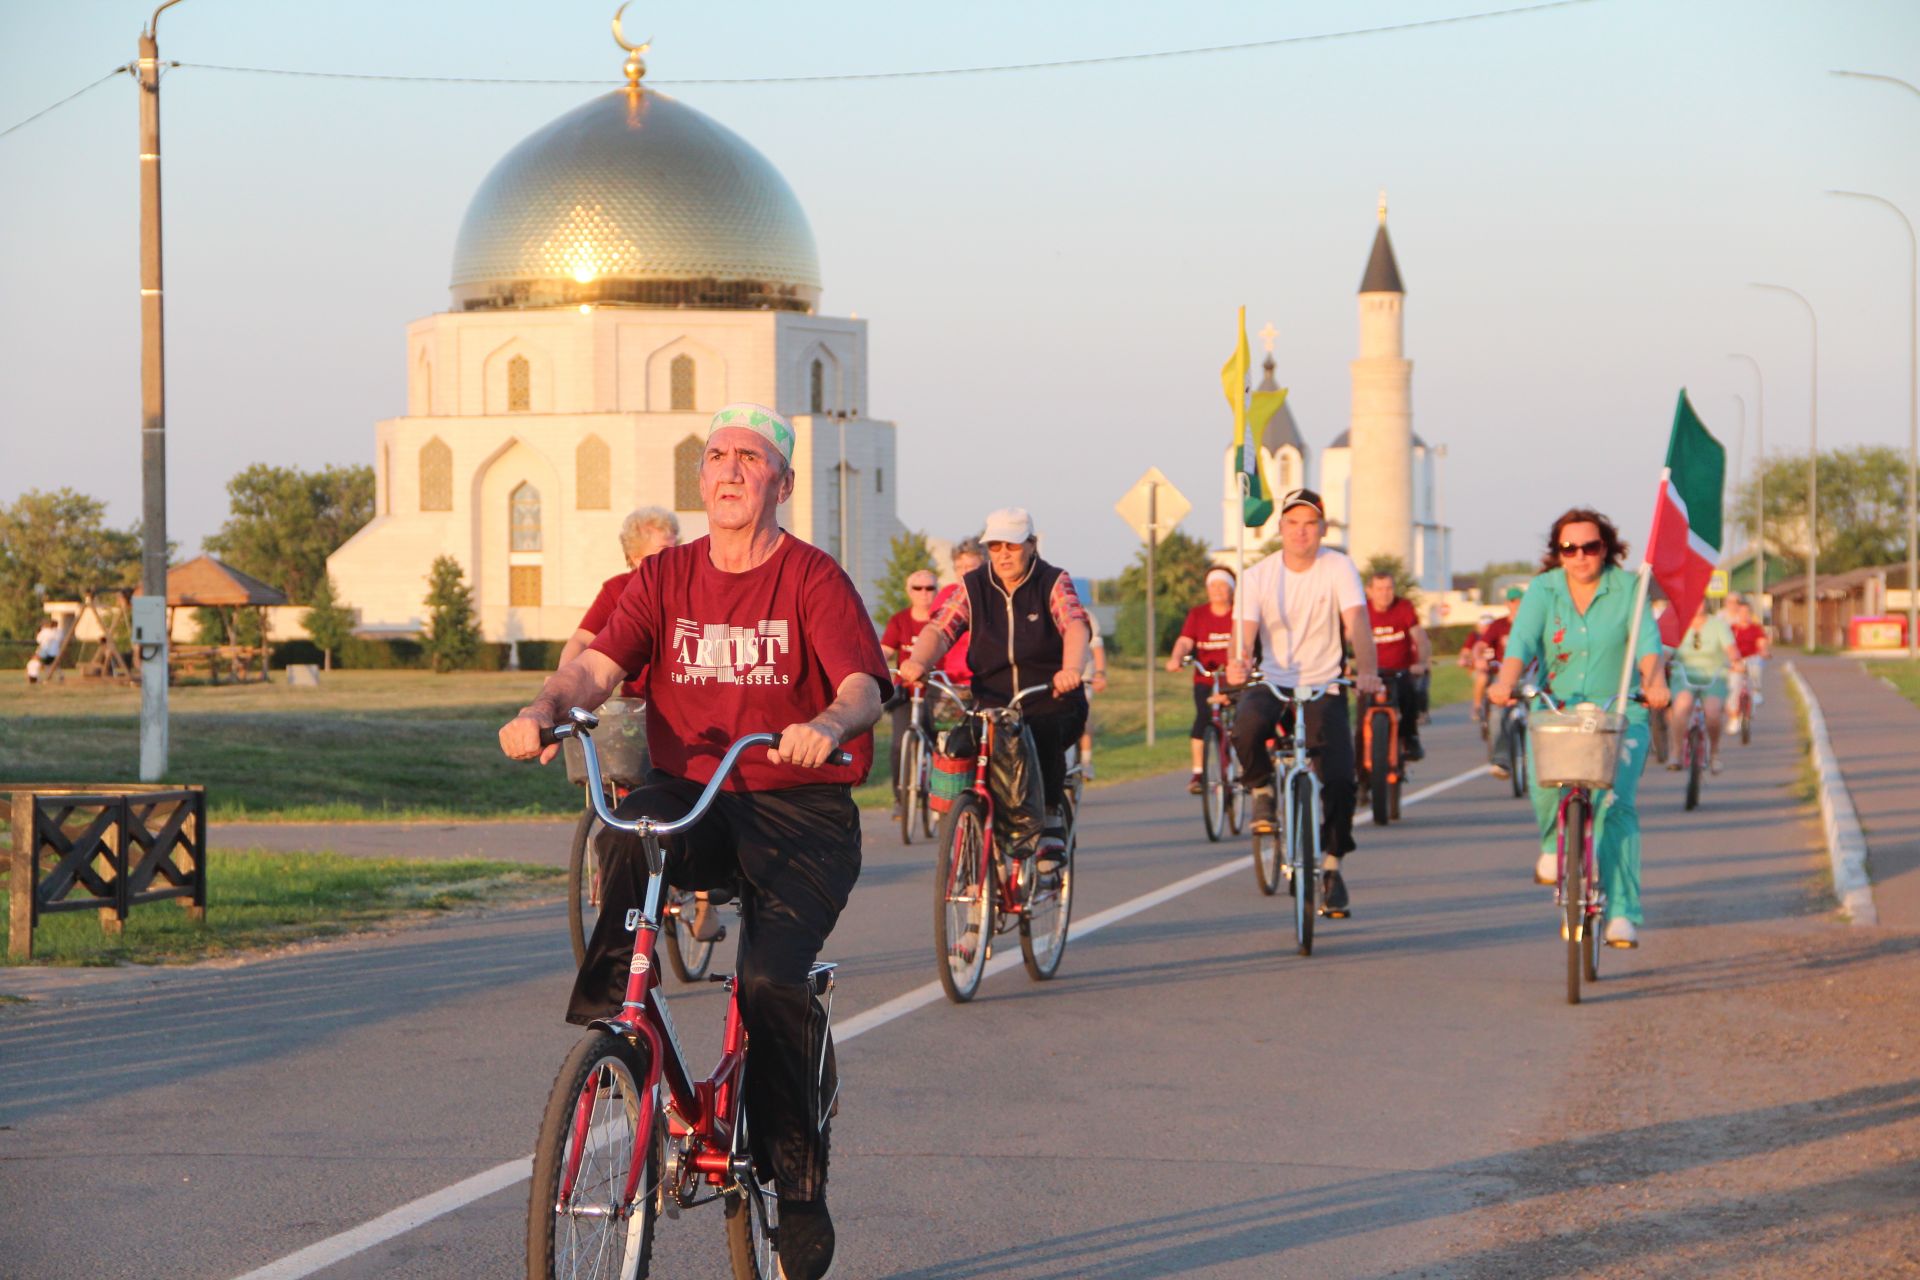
(436,476)
(593,486)
(680,382)
(523,518)
(686,474)
(818,396)
(386,479)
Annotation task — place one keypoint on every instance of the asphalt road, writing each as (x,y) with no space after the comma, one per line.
(1188,1098)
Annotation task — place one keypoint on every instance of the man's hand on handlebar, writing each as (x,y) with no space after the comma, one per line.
(1367,683)
(806,745)
(911,671)
(1500,693)
(1065,681)
(520,737)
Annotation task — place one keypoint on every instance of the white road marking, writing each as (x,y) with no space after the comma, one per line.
(337,1248)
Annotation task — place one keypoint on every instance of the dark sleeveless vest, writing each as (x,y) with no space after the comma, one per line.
(1012,642)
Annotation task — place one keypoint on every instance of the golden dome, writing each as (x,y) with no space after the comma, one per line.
(635,199)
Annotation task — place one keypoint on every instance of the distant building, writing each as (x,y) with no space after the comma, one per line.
(620,274)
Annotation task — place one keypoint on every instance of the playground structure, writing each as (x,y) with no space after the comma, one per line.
(94,629)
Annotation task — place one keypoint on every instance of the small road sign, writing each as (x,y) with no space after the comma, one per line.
(1155,493)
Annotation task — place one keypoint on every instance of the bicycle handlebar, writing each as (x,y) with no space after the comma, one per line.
(1301,693)
(581,723)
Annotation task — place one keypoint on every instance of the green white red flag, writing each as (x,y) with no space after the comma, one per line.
(1684,546)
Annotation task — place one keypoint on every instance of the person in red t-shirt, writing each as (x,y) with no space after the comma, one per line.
(903,628)
(1207,634)
(1750,637)
(646,531)
(1493,647)
(743,630)
(1403,649)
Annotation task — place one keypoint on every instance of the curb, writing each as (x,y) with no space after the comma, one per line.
(1846,843)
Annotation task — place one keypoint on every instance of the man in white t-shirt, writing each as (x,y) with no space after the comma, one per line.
(1295,604)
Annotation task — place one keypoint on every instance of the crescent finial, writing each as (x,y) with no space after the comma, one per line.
(636,66)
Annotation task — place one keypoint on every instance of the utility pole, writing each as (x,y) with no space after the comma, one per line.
(1153,632)
(1759,476)
(151,643)
(1813,469)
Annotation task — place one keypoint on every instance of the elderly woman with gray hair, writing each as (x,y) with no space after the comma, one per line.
(645,531)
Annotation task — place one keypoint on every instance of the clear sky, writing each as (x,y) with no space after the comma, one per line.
(1050,260)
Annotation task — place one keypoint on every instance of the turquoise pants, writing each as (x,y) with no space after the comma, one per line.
(1617,826)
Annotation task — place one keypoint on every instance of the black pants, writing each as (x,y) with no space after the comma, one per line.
(902,716)
(792,857)
(1327,729)
(1202,710)
(1403,691)
(1053,733)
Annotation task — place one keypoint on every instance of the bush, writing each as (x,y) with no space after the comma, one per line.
(363,653)
(1448,640)
(540,655)
(453,636)
(293,653)
(14,654)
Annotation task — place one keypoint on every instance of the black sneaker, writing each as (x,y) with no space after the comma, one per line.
(1053,851)
(1411,750)
(806,1239)
(1263,810)
(1336,896)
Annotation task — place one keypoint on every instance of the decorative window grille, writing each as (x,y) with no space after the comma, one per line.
(436,476)
(592,465)
(519,385)
(523,521)
(523,585)
(680,382)
(817,398)
(686,474)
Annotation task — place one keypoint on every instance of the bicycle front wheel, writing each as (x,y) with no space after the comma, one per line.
(1696,764)
(1301,835)
(1213,795)
(1237,799)
(583,884)
(923,788)
(1043,927)
(962,898)
(1380,767)
(1519,771)
(1269,854)
(598,1123)
(909,792)
(1573,890)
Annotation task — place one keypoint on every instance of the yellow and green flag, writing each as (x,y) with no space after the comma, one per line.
(1256,495)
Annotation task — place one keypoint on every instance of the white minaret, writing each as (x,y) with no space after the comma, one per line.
(1380,514)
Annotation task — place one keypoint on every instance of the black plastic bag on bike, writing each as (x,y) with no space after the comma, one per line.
(1020,807)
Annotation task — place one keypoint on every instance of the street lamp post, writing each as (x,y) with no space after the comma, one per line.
(1759,471)
(1913,416)
(153,415)
(1813,467)
(1740,446)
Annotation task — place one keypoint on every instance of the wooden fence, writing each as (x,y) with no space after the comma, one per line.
(80,847)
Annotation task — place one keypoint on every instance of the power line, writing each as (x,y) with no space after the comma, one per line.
(1454,20)
(117,71)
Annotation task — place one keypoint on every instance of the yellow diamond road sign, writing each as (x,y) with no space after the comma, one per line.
(1168,504)
(1717,585)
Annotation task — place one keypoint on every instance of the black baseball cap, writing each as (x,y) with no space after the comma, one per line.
(1303,498)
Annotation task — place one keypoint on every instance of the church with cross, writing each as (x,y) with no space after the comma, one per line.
(1380,479)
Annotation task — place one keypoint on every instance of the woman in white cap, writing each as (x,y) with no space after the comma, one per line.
(1024,625)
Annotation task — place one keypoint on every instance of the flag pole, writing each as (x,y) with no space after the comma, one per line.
(1239,568)
(1639,607)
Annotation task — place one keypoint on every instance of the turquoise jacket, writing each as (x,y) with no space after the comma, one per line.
(1582,653)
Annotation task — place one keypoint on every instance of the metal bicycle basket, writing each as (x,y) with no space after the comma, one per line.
(621,741)
(1577,747)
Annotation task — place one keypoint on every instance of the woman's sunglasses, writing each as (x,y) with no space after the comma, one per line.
(1593,548)
(923,588)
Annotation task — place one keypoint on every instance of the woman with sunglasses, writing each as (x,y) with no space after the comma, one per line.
(896,642)
(1574,620)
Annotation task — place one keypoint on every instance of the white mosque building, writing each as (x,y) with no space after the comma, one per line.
(1380,480)
(619,275)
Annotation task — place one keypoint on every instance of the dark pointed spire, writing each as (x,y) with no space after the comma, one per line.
(1383,273)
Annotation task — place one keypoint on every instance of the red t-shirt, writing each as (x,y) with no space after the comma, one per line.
(1393,634)
(1495,636)
(955,663)
(595,621)
(727,654)
(1212,636)
(901,632)
(1747,637)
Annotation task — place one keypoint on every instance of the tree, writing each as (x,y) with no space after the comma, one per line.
(453,637)
(1403,583)
(1179,583)
(286,522)
(907,554)
(1863,509)
(55,545)
(328,622)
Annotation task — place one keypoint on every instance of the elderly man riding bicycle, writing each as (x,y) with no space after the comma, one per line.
(745,629)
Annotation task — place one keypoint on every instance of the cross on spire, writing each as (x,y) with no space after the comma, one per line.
(1267,335)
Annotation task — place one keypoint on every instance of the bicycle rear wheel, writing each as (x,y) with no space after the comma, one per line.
(1573,890)
(909,791)
(688,956)
(598,1120)
(1269,853)
(752,1219)
(1301,835)
(1380,765)
(1213,797)
(583,884)
(1044,924)
(1696,764)
(962,898)
(1746,721)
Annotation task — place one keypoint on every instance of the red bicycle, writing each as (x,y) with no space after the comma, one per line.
(1223,801)
(1380,771)
(629,1132)
(979,891)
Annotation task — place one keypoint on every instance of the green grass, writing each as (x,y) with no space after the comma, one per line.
(257,899)
(1903,672)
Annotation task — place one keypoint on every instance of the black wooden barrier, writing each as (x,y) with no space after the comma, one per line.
(101,848)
